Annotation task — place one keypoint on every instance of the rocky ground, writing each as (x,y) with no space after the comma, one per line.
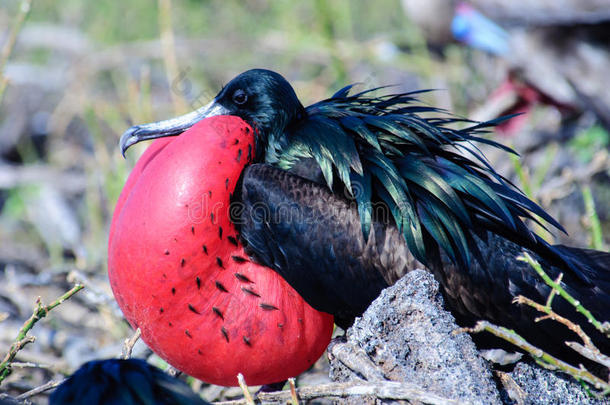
(407,335)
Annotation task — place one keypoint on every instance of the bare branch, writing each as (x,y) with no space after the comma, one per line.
(392,390)
(242,384)
(557,318)
(7,49)
(129,344)
(14,349)
(17,364)
(39,390)
(549,300)
(293,392)
(22,339)
(356,360)
(526,257)
(543,358)
(590,353)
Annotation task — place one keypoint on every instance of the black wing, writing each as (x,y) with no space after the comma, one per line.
(313,238)
(386,149)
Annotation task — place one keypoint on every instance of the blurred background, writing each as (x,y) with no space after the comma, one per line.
(76,74)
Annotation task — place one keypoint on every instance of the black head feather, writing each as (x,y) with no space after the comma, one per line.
(265,100)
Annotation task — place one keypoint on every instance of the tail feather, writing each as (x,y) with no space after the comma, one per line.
(594,265)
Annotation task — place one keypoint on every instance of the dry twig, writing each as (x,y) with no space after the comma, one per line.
(391,390)
(29,364)
(22,339)
(376,385)
(543,358)
(293,392)
(588,351)
(356,360)
(7,49)
(526,257)
(94,294)
(560,187)
(244,387)
(129,344)
(550,314)
(591,353)
(39,390)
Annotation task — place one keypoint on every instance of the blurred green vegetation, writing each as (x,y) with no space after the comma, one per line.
(112,22)
(588,141)
(342,29)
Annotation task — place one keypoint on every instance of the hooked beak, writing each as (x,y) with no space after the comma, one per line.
(171,127)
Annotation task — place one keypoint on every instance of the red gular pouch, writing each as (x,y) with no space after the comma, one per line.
(180,274)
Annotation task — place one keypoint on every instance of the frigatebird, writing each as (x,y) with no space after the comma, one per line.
(340,199)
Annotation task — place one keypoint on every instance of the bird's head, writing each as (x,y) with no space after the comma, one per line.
(262,98)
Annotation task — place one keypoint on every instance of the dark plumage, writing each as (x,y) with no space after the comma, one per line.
(125,382)
(357,188)
(303,231)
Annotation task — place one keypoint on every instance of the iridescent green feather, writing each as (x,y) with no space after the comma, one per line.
(384,149)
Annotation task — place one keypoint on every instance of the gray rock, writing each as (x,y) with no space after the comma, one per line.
(408,335)
(543,387)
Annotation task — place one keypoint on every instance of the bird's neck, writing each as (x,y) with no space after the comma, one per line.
(275,145)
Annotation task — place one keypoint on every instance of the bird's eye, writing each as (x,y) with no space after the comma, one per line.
(240,97)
